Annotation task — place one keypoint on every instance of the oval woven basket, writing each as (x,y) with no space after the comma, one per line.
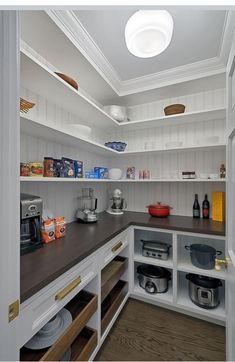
(174,109)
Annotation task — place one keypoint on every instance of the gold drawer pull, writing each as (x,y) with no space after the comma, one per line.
(62,294)
(117,246)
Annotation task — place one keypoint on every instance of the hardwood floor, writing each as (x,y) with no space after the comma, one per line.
(144,332)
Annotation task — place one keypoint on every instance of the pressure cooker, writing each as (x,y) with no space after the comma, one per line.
(153,279)
(204,291)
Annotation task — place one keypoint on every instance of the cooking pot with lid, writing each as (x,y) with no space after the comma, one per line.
(159,209)
(203,256)
(153,279)
(204,291)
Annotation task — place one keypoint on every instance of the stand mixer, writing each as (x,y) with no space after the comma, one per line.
(117,204)
(87,209)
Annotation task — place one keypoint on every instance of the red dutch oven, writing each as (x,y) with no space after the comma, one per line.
(159,209)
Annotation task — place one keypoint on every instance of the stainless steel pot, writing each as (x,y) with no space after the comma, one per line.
(153,279)
(204,291)
(203,256)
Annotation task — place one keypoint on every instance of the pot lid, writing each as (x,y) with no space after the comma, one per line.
(202,248)
(159,205)
(152,271)
(203,281)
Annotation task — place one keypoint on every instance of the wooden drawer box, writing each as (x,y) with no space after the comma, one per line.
(81,307)
(116,296)
(111,274)
(84,345)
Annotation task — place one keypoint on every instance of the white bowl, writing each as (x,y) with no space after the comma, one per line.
(82,130)
(115,173)
(214,176)
(116,112)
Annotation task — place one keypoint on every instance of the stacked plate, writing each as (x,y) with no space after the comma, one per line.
(52,330)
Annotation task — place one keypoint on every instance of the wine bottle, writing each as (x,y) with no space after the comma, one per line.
(196,208)
(205,208)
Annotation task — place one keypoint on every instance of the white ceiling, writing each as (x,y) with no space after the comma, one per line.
(197,36)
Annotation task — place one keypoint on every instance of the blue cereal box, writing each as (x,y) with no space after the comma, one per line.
(78,169)
(103,172)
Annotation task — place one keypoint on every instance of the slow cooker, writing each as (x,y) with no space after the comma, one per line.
(153,279)
(204,291)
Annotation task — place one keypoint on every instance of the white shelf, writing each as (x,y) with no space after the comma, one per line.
(42,80)
(138,257)
(185,302)
(176,119)
(67,179)
(189,268)
(174,149)
(35,129)
(166,298)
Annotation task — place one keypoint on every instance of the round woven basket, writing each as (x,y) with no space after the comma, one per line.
(174,109)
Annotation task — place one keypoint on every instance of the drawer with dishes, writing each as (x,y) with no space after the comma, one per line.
(152,281)
(68,334)
(114,287)
(199,254)
(201,294)
(39,309)
(153,247)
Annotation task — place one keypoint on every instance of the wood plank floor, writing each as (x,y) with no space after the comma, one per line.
(144,332)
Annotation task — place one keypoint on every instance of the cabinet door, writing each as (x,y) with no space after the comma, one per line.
(9,184)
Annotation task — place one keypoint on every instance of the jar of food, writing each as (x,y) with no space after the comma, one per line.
(24,169)
(48,167)
(36,169)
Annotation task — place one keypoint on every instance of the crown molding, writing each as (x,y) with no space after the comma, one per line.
(75,31)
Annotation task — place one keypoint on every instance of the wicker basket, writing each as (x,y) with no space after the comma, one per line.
(25,106)
(174,109)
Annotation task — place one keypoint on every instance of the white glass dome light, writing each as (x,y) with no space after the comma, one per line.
(149,32)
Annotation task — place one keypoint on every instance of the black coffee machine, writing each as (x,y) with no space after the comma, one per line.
(30,223)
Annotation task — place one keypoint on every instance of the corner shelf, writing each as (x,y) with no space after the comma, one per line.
(176,119)
(188,267)
(37,77)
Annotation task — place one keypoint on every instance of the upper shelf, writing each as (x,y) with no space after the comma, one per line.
(40,79)
(177,119)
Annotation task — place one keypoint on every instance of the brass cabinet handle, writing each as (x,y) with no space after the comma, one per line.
(117,246)
(62,294)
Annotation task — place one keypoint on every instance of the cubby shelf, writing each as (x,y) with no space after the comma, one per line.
(138,257)
(166,298)
(188,267)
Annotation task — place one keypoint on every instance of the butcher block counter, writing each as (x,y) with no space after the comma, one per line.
(44,265)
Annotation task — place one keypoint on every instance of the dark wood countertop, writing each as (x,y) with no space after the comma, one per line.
(44,265)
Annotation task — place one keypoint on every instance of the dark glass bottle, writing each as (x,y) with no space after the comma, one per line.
(196,208)
(205,208)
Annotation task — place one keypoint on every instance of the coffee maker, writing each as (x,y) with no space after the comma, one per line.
(30,223)
(117,204)
(87,206)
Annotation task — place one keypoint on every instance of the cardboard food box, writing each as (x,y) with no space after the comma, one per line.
(218,206)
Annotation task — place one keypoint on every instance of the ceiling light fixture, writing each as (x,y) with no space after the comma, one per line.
(149,32)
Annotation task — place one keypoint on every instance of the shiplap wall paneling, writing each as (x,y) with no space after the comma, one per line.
(178,195)
(193,102)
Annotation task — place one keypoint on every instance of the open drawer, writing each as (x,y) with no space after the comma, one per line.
(112,302)
(81,307)
(111,274)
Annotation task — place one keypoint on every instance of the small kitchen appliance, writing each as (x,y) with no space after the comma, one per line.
(204,291)
(153,279)
(87,207)
(155,249)
(117,203)
(30,222)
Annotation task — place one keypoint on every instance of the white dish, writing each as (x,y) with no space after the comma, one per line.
(174,144)
(116,112)
(82,130)
(52,330)
(214,176)
(115,173)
